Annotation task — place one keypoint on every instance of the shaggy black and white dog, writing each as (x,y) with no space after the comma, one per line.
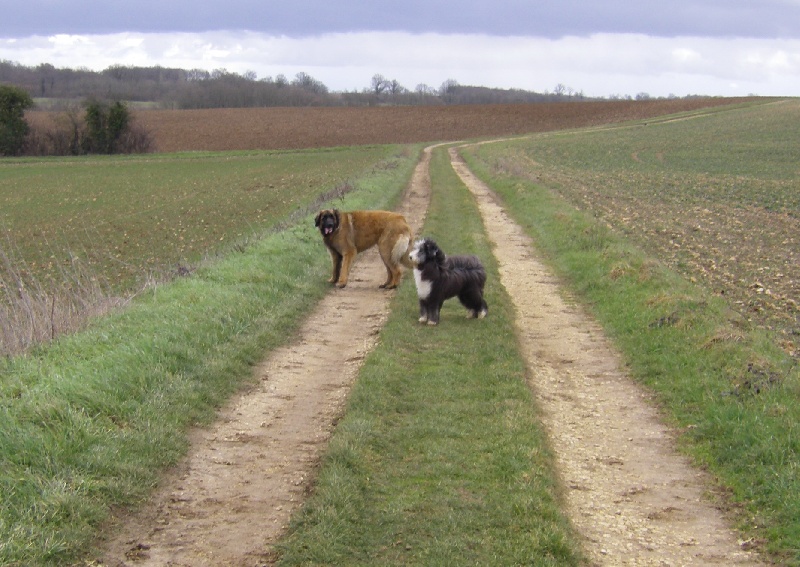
(440,277)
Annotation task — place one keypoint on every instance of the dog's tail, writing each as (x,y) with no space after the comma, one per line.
(401,250)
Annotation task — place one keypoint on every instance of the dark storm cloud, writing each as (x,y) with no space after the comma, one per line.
(728,18)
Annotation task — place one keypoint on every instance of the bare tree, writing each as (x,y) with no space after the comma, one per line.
(379,84)
(395,88)
(309,83)
(448,89)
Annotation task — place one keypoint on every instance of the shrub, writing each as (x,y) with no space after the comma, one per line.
(106,123)
(13,128)
(103,129)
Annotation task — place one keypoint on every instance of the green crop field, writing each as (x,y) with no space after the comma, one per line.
(130,217)
(716,197)
(82,235)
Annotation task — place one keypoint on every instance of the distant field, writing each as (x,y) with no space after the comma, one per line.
(282,128)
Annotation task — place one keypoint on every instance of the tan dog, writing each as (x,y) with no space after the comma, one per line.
(347,234)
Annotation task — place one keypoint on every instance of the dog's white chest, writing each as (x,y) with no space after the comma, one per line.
(423,286)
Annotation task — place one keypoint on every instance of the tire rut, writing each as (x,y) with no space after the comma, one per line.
(631,496)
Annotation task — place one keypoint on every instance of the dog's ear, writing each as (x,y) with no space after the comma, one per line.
(318,218)
(440,256)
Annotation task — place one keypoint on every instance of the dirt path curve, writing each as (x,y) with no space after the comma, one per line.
(630,495)
(234,494)
(632,498)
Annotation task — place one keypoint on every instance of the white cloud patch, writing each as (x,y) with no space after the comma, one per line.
(597,65)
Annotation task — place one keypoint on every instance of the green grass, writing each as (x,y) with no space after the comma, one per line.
(440,458)
(130,216)
(88,422)
(723,382)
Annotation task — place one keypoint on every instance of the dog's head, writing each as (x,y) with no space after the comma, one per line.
(426,250)
(327,221)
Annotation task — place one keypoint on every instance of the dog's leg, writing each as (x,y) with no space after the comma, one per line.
(389,255)
(473,300)
(433,314)
(391,277)
(344,270)
(336,260)
(423,312)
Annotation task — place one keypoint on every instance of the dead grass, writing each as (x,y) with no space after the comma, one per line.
(33,313)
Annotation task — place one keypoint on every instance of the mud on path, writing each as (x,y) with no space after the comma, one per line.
(631,497)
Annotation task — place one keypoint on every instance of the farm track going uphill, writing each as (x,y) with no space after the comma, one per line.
(633,499)
(235,492)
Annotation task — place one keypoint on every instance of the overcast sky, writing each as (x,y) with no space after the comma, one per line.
(598,47)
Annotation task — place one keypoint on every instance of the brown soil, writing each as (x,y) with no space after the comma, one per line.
(280,128)
(633,499)
(315,127)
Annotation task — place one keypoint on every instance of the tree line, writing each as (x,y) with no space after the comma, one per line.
(94,120)
(197,88)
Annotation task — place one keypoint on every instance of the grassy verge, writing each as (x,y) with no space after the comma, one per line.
(89,421)
(440,458)
(724,383)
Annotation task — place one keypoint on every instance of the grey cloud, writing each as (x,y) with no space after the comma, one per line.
(730,18)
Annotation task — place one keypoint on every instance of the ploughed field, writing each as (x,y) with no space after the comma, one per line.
(316,127)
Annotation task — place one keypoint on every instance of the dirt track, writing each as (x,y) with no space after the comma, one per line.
(632,498)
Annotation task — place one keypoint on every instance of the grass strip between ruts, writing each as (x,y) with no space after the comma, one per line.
(440,458)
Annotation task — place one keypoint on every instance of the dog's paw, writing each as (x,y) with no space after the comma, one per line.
(433,323)
(423,319)
(341,284)
(482,314)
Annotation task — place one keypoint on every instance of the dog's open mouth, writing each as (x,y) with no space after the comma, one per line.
(327,230)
